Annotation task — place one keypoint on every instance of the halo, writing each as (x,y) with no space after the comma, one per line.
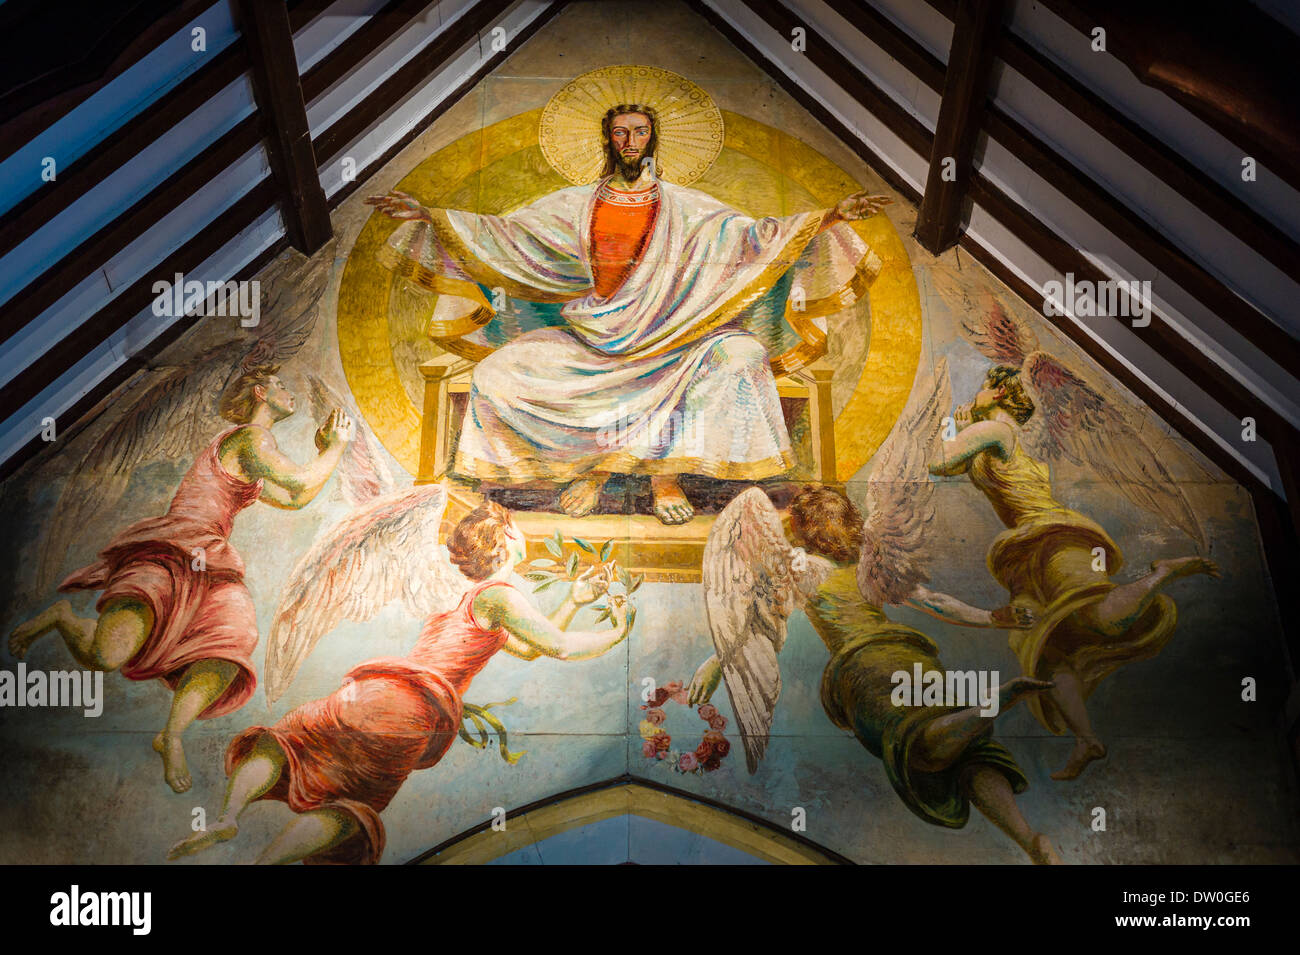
(689,122)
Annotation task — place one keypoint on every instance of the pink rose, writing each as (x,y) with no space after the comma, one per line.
(687,762)
(718,723)
(647,749)
(661,742)
(677,692)
(656,716)
(708,711)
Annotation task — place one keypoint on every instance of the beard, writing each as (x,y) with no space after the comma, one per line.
(629,167)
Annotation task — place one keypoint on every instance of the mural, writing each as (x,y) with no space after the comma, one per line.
(615,370)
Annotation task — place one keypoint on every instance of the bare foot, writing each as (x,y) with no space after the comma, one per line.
(1043,852)
(1186,567)
(1013,691)
(175,770)
(25,634)
(670,504)
(1085,751)
(223,831)
(580,498)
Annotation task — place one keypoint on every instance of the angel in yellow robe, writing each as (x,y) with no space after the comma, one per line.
(1054,560)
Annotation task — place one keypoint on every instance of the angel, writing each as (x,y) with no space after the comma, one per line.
(339,761)
(841,571)
(173,605)
(1032,408)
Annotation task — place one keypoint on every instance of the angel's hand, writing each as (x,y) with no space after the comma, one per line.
(592,583)
(338,428)
(860,205)
(963,416)
(399,205)
(1013,617)
(705,681)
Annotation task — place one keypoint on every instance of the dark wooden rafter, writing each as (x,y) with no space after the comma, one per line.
(961,117)
(283,115)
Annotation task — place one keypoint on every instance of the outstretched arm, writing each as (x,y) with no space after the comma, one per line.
(949,608)
(972,438)
(533,634)
(285,483)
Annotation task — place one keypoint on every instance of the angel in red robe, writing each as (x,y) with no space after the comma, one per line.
(173,605)
(338,762)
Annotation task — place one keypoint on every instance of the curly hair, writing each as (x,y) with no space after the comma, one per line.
(1015,401)
(238,401)
(612,158)
(826,522)
(479,544)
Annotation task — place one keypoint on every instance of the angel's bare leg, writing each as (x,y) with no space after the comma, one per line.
(992,795)
(97,643)
(252,777)
(1067,694)
(946,738)
(200,687)
(1125,605)
(310,833)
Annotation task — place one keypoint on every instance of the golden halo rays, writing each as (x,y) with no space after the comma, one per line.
(689,126)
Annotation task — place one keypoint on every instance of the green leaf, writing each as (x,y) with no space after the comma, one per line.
(572,565)
(606,549)
(584,545)
(631,618)
(557,550)
(625,577)
(637,581)
(542,586)
(603,616)
(544,562)
(539,575)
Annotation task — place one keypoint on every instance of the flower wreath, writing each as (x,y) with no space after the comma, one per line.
(656,743)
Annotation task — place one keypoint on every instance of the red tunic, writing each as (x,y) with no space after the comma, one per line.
(197,614)
(392,716)
(621,223)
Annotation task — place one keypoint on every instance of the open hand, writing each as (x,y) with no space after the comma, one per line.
(399,205)
(338,428)
(860,205)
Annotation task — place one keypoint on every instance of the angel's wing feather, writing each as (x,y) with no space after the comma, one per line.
(753,579)
(900,497)
(1077,422)
(379,553)
(997,333)
(363,474)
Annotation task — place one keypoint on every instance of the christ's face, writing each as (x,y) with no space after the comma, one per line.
(629,137)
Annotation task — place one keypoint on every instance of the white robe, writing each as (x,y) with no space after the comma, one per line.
(659,378)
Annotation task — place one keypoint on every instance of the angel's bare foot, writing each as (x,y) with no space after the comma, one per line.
(580,498)
(1085,751)
(1042,852)
(175,770)
(1013,691)
(223,831)
(1177,567)
(25,634)
(670,504)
